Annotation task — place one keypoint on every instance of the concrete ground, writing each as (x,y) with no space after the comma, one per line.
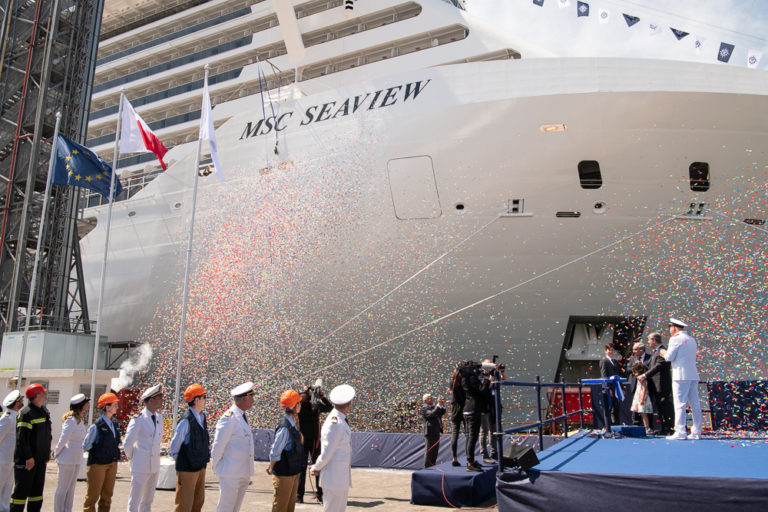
(373,489)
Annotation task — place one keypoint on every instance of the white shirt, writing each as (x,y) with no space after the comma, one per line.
(7,435)
(232,453)
(335,460)
(69,449)
(142,442)
(682,356)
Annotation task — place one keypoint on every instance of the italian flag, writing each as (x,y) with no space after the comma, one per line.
(135,135)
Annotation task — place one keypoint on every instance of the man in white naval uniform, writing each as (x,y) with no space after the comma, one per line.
(11,403)
(685,379)
(334,465)
(142,447)
(232,453)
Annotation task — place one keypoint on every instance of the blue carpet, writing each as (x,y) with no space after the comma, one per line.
(657,456)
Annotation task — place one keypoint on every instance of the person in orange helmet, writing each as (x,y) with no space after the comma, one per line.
(287,458)
(102,442)
(190,449)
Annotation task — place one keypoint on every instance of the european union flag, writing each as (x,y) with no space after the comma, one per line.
(79,166)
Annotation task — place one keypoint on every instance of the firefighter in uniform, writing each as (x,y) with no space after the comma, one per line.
(142,447)
(33,450)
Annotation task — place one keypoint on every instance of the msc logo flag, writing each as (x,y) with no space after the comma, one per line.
(79,166)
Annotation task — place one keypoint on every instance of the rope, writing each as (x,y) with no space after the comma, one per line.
(493,296)
(373,304)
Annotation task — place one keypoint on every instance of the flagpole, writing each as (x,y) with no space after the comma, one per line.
(100,306)
(33,283)
(182,328)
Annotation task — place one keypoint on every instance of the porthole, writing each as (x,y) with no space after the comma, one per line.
(132,213)
(177,205)
(589,174)
(599,207)
(460,208)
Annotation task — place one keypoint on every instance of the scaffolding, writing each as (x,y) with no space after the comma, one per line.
(47,62)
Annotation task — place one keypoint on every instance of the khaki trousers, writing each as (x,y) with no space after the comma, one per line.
(284,498)
(100,479)
(190,491)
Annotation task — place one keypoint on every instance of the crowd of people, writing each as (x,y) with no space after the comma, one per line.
(25,444)
(662,382)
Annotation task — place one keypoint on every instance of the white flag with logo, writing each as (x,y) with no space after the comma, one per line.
(654,28)
(207,132)
(563,3)
(753,58)
(698,43)
(604,16)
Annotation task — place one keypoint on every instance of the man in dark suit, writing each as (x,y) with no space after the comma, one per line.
(608,368)
(638,356)
(659,377)
(433,427)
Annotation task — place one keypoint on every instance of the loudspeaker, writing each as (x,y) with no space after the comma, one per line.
(517,455)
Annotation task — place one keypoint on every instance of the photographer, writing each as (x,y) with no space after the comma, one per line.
(488,417)
(433,427)
(474,386)
(313,403)
(457,413)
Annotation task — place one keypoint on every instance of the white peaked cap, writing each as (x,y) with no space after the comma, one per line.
(341,395)
(150,392)
(242,389)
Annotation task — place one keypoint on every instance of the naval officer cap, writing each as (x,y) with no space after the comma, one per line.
(155,390)
(242,390)
(77,400)
(342,395)
(677,323)
(11,398)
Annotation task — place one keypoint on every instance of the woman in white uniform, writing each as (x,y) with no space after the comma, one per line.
(69,452)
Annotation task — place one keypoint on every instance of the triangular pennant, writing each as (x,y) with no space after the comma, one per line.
(679,34)
(631,20)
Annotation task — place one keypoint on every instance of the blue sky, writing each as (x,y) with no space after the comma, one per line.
(743,23)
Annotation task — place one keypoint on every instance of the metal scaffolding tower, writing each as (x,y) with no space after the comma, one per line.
(47,62)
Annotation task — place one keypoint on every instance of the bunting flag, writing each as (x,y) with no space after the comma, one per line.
(753,58)
(679,34)
(78,166)
(654,28)
(631,20)
(582,9)
(540,3)
(136,137)
(207,131)
(726,50)
(698,43)
(604,16)
(563,3)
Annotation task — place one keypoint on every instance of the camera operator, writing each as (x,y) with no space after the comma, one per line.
(474,386)
(313,402)
(488,417)
(457,413)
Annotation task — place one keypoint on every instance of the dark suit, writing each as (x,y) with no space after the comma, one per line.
(433,427)
(609,368)
(659,377)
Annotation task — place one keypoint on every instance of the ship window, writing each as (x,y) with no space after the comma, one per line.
(699,175)
(589,174)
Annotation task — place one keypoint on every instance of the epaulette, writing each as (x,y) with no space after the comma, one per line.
(334,419)
(5,414)
(228,414)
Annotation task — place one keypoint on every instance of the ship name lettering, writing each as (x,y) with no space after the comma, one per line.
(417,88)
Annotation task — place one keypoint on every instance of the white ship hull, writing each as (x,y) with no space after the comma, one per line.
(344,257)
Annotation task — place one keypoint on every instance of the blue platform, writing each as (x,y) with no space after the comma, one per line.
(585,473)
(449,486)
